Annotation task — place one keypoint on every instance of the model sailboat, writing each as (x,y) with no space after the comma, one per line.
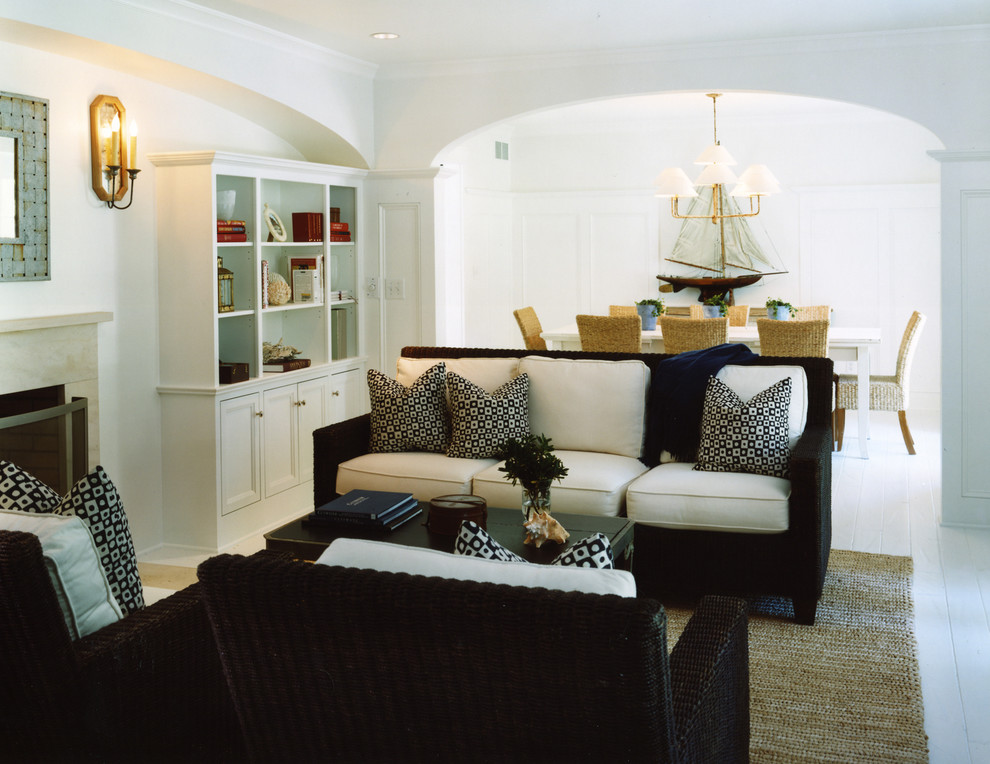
(715,237)
(724,250)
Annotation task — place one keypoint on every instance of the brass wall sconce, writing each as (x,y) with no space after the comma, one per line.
(114,151)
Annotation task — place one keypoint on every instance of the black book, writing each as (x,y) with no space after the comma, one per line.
(366,505)
(332,521)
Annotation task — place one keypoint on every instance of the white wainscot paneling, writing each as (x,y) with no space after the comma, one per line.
(620,260)
(551,260)
(489,297)
(975,225)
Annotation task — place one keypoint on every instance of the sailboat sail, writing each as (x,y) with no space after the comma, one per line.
(699,242)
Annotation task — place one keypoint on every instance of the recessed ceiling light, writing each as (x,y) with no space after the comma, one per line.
(385,35)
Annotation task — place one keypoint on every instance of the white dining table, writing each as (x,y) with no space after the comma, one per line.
(845,343)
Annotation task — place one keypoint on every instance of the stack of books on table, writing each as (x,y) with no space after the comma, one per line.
(382,510)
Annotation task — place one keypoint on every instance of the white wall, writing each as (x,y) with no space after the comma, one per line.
(105,260)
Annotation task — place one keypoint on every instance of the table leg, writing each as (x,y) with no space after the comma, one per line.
(863,397)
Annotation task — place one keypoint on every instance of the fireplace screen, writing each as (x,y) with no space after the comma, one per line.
(44,435)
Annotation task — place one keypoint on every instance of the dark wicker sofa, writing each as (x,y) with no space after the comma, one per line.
(331,663)
(686,562)
(146,688)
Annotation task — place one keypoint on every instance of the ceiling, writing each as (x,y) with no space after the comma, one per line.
(451,30)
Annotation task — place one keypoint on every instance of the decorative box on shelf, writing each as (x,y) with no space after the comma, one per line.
(233,372)
(286,364)
(307,226)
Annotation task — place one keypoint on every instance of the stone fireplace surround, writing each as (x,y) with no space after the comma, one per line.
(55,350)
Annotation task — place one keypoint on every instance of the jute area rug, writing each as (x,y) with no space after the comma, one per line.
(846,689)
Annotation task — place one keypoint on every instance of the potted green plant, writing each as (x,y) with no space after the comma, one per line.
(530,460)
(649,311)
(780,310)
(714,306)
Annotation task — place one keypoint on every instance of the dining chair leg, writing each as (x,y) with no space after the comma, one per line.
(839,427)
(908,440)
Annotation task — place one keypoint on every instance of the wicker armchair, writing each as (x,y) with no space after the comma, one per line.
(610,334)
(622,310)
(146,688)
(683,334)
(696,311)
(338,663)
(738,315)
(793,339)
(887,393)
(529,325)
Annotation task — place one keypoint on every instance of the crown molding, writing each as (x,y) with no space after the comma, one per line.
(906,38)
(971,155)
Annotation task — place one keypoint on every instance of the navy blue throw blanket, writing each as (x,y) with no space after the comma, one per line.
(677,397)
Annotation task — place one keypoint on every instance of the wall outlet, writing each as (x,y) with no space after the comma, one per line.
(371,286)
(395,289)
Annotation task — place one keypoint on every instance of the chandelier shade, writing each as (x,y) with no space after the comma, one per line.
(674,182)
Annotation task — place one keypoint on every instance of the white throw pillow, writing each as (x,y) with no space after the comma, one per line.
(397,558)
(588,405)
(73,564)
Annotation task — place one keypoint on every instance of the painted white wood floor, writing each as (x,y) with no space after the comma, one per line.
(890,504)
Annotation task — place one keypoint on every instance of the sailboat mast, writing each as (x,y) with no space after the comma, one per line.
(721,231)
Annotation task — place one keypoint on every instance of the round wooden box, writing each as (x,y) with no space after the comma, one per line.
(447,513)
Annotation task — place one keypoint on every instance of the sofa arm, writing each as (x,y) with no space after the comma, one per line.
(709,668)
(332,445)
(156,686)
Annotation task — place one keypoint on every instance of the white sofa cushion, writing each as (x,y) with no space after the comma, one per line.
(677,496)
(588,405)
(396,558)
(487,373)
(595,484)
(747,381)
(424,475)
(73,564)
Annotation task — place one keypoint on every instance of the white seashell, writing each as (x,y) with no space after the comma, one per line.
(278,290)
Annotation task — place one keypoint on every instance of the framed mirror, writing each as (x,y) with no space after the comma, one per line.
(23,188)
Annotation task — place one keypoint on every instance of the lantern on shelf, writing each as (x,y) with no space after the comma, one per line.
(225,288)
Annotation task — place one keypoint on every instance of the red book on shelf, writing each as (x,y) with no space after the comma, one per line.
(340,237)
(224,228)
(339,227)
(307,226)
(222,237)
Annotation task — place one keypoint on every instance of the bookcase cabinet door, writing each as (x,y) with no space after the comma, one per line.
(240,452)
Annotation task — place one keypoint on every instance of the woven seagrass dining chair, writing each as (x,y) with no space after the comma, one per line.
(738,315)
(683,334)
(887,393)
(610,334)
(696,311)
(529,325)
(622,310)
(813,312)
(794,339)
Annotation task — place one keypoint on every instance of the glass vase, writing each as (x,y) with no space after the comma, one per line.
(535,500)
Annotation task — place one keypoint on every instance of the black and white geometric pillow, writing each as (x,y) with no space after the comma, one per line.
(96,501)
(474,541)
(745,437)
(482,423)
(23,492)
(592,552)
(408,418)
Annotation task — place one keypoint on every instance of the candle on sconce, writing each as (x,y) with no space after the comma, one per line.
(115,141)
(105,136)
(133,131)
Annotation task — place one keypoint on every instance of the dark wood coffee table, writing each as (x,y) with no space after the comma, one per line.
(307,542)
